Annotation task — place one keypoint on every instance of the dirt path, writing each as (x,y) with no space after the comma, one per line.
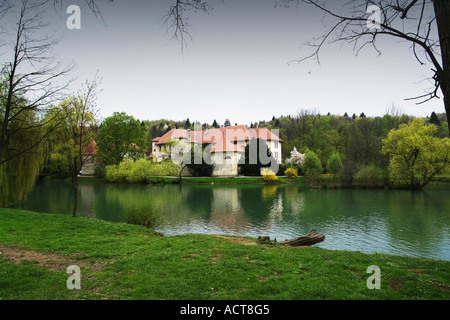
(52,261)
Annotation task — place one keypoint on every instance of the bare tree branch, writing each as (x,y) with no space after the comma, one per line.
(412,21)
(176,18)
(33,78)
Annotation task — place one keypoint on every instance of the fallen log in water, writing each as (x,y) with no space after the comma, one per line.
(305,240)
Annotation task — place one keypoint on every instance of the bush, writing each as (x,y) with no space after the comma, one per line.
(311,163)
(334,163)
(145,214)
(312,168)
(371,176)
(268,175)
(140,171)
(291,172)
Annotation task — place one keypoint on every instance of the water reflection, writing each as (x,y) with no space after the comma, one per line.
(398,222)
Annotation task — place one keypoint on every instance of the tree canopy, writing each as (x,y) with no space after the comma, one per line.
(120,135)
(416,155)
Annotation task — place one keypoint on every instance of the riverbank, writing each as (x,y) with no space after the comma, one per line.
(121,261)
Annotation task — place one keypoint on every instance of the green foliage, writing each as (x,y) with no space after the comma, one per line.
(74,125)
(311,163)
(141,170)
(334,163)
(312,168)
(120,136)
(416,155)
(371,176)
(22,151)
(145,214)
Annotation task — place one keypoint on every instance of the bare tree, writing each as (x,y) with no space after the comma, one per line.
(176,18)
(424,24)
(31,74)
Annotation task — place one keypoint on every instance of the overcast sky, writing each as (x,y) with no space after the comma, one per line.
(237,65)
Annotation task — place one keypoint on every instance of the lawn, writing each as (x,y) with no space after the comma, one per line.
(121,261)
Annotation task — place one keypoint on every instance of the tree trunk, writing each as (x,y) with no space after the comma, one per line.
(442,11)
(306,240)
(75,187)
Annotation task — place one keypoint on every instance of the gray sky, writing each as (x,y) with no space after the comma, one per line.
(236,66)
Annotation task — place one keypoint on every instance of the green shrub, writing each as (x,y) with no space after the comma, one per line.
(334,163)
(312,168)
(371,176)
(311,163)
(111,173)
(140,170)
(146,214)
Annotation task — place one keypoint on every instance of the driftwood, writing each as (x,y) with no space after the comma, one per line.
(306,240)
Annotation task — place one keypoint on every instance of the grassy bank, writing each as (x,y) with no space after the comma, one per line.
(196,180)
(121,261)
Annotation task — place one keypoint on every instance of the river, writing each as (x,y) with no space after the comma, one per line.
(399,222)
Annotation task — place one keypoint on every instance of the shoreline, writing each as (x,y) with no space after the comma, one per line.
(324,183)
(122,261)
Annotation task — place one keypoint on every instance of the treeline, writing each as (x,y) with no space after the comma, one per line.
(357,139)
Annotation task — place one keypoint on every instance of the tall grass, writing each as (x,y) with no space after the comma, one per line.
(145,214)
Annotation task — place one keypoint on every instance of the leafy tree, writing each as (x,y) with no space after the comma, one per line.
(434,119)
(334,163)
(227,123)
(76,125)
(311,167)
(311,163)
(31,78)
(119,136)
(22,158)
(416,155)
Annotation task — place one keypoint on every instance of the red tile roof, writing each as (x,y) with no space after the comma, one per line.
(173,133)
(90,149)
(222,137)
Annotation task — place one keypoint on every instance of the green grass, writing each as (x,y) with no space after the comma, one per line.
(122,261)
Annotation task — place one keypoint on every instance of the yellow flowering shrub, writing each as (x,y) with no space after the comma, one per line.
(291,172)
(268,175)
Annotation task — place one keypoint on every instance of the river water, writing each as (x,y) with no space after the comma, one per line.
(408,223)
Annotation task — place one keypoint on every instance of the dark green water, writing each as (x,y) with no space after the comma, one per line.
(390,221)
